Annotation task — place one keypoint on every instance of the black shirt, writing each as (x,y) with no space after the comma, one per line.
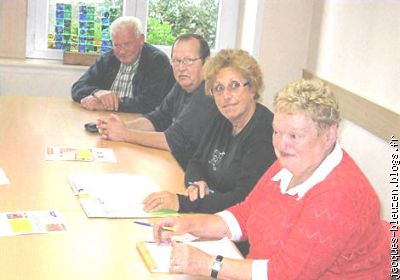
(184,117)
(231,165)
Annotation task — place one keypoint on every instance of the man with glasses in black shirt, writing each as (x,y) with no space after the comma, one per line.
(184,114)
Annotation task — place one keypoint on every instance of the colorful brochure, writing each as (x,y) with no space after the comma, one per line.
(30,222)
(80,154)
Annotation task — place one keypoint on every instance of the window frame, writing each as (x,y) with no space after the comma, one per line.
(37,11)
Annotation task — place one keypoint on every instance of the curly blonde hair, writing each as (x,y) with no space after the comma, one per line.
(313,97)
(239,60)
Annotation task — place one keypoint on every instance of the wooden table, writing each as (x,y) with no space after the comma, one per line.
(91,248)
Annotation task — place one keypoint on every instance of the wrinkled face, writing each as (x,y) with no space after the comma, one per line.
(233,95)
(298,146)
(188,75)
(126,45)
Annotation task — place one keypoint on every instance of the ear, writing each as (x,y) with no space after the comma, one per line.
(331,135)
(141,38)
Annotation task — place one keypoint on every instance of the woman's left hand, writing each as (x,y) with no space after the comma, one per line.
(189,260)
(161,200)
(198,189)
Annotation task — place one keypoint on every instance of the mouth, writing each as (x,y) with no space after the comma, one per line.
(228,105)
(285,155)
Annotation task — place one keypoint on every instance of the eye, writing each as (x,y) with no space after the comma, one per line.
(293,136)
(218,88)
(234,85)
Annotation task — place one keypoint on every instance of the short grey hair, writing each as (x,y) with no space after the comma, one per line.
(127,22)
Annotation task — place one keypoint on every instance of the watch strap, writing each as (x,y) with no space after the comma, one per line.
(216,266)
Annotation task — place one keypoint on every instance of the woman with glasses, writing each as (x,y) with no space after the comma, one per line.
(237,147)
(312,215)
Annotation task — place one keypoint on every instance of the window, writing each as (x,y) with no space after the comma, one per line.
(81,27)
(54,26)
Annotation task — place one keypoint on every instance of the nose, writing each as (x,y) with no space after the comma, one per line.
(227,93)
(280,142)
(180,66)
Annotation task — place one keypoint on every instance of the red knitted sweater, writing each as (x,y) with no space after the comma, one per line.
(333,232)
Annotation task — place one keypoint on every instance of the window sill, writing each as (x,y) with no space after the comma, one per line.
(39,63)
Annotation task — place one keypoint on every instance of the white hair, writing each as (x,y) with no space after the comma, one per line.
(127,22)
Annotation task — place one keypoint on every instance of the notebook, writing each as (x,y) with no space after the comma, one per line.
(157,257)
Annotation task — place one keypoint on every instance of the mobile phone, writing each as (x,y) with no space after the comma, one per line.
(91,127)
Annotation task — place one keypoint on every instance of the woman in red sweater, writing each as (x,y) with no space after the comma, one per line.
(313,214)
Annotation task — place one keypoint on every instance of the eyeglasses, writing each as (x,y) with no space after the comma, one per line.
(185,61)
(233,86)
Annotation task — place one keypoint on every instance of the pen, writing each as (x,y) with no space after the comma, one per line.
(197,186)
(150,225)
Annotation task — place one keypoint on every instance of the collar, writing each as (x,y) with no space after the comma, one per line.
(323,170)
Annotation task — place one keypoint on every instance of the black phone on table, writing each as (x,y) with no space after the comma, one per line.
(91,127)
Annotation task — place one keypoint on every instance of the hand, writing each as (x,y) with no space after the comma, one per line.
(181,226)
(112,128)
(189,260)
(91,103)
(196,190)
(161,200)
(108,98)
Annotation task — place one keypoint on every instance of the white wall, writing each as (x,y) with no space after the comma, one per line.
(284,44)
(354,44)
(21,78)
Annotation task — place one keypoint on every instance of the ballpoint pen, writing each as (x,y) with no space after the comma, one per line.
(150,225)
(197,186)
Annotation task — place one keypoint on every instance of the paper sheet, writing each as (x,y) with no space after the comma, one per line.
(112,195)
(3,178)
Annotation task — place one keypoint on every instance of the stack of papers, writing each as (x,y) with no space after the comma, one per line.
(117,195)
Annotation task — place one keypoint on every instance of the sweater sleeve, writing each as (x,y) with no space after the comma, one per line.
(194,170)
(242,211)
(99,76)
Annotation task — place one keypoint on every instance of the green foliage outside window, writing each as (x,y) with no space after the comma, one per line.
(168,19)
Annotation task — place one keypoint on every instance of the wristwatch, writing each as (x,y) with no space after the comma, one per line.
(216,266)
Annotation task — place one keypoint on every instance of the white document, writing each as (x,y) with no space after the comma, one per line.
(30,222)
(80,154)
(161,254)
(3,178)
(114,195)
